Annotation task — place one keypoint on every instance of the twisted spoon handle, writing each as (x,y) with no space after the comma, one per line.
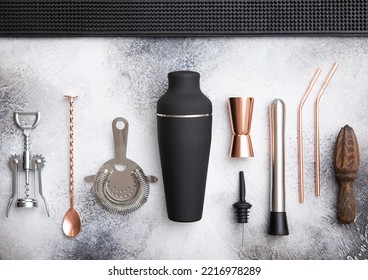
(71,147)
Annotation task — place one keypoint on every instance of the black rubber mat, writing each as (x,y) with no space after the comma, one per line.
(183,17)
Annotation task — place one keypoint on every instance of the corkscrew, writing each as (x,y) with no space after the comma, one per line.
(28,163)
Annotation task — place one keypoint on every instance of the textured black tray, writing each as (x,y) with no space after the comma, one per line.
(183,17)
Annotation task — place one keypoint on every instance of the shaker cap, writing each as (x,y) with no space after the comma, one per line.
(184,96)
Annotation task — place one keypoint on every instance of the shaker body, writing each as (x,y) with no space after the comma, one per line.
(184,145)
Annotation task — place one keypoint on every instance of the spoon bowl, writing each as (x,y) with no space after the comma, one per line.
(72,223)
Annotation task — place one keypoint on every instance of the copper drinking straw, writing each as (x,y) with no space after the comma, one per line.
(316,126)
(300,135)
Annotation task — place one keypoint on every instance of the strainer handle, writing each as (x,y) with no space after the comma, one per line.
(120,128)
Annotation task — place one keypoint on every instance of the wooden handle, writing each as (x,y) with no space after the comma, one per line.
(346,203)
(346,165)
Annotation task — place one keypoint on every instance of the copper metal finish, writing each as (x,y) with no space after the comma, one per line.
(316,127)
(300,135)
(72,221)
(241,111)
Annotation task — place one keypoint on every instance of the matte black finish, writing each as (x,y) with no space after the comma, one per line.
(184,145)
(183,17)
(184,151)
(278,224)
(184,96)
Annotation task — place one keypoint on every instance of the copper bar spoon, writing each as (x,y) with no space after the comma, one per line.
(72,222)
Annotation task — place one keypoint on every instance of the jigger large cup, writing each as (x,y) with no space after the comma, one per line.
(241,111)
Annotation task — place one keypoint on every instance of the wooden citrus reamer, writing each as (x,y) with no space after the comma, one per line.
(346,165)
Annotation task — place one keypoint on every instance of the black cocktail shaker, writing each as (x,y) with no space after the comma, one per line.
(184,124)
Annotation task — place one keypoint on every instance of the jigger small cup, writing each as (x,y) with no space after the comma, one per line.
(241,111)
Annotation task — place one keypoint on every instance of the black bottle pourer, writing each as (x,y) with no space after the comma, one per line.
(242,206)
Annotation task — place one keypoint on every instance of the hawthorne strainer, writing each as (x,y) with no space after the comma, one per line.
(121,185)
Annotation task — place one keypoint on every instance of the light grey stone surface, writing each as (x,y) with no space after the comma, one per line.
(125,77)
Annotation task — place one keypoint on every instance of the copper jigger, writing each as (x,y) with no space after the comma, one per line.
(241,111)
